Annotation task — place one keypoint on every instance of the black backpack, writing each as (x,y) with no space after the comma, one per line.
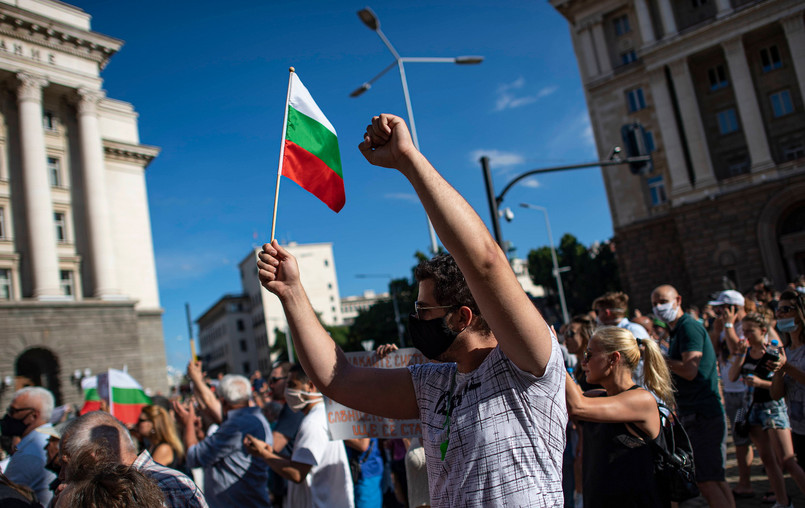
(673,458)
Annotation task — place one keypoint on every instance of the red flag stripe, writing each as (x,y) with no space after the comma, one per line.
(313,175)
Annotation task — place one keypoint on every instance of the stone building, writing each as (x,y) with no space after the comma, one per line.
(719,87)
(78,290)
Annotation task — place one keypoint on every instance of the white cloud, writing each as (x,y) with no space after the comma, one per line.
(497,158)
(530,182)
(507,99)
(402,196)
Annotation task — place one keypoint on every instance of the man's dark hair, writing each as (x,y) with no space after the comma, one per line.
(299,373)
(110,485)
(766,282)
(284,367)
(450,286)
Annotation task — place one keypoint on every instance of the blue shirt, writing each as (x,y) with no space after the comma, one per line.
(27,465)
(233,478)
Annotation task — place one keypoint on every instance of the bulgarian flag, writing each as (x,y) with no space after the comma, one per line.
(92,400)
(309,154)
(125,395)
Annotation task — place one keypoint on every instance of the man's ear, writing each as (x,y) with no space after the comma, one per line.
(465,316)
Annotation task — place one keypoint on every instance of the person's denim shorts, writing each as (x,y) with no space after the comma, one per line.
(769,415)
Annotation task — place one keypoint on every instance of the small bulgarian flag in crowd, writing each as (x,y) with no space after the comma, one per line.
(309,154)
(124,395)
(92,401)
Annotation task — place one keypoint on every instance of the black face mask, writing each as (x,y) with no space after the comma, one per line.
(431,336)
(11,426)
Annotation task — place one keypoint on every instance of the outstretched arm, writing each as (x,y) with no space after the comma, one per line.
(382,392)
(519,328)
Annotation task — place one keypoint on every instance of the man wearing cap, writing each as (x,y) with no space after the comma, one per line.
(30,410)
(726,334)
(692,361)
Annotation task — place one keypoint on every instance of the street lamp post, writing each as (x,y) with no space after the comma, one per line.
(557,272)
(397,321)
(371,20)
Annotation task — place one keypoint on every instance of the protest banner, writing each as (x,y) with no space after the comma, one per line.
(347,423)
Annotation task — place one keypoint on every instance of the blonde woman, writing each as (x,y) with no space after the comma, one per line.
(615,419)
(158,432)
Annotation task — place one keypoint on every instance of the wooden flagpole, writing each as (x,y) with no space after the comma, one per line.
(282,154)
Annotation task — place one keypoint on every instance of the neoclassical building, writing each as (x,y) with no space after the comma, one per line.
(78,290)
(719,87)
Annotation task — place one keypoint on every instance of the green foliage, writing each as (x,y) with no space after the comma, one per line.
(593,272)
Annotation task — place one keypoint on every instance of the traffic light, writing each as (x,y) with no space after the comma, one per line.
(634,141)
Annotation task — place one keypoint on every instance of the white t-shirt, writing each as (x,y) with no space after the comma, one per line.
(737,386)
(506,435)
(328,484)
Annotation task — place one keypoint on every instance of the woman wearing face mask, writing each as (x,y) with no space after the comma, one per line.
(769,428)
(318,471)
(789,377)
(617,424)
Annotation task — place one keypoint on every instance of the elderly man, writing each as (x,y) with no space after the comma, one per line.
(30,410)
(101,435)
(232,477)
(692,361)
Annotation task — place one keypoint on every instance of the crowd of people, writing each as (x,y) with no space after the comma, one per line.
(512,412)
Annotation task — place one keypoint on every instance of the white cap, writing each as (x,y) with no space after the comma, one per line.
(728,297)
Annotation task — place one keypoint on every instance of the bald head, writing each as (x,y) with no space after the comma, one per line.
(99,434)
(666,291)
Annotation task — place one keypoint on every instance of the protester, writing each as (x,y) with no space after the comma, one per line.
(99,434)
(764,293)
(366,464)
(13,495)
(158,432)
(493,425)
(318,470)
(54,462)
(233,478)
(789,378)
(692,362)
(612,452)
(768,418)
(611,310)
(285,429)
(726,335)
(30,409)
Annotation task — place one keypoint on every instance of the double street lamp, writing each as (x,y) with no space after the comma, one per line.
(373,23)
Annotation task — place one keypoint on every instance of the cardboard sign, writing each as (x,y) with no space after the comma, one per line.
(347,423)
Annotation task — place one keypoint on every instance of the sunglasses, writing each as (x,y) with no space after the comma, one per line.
(273,380)
(418,307)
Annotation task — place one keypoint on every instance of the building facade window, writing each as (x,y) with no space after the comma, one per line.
(718,78)
(698,3)
(656,189)
(5,284)
(628,57)
(635,99)
(54,170)
(60,220)
(49,121)
(243,346)
(727,121)
(770,58)
(67,283)
(781,103)
(794,152)
(622,25)
(2,223)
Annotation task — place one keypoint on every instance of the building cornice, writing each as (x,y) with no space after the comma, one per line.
(33,28)
(128,152)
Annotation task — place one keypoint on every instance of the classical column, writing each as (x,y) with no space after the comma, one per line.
(588,52)
(751,118)
(723,8)
(601,50)
(671,143)
(36,188)
(692,124)
(794,27)
(644,21)
(98,220)
(667,18)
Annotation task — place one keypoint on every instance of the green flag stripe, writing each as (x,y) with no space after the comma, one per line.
(315,138)
(129,396)
(91,394)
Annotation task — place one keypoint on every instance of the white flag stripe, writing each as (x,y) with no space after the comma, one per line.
(304,103)
(120,379)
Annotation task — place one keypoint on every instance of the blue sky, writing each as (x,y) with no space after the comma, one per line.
(209,81)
